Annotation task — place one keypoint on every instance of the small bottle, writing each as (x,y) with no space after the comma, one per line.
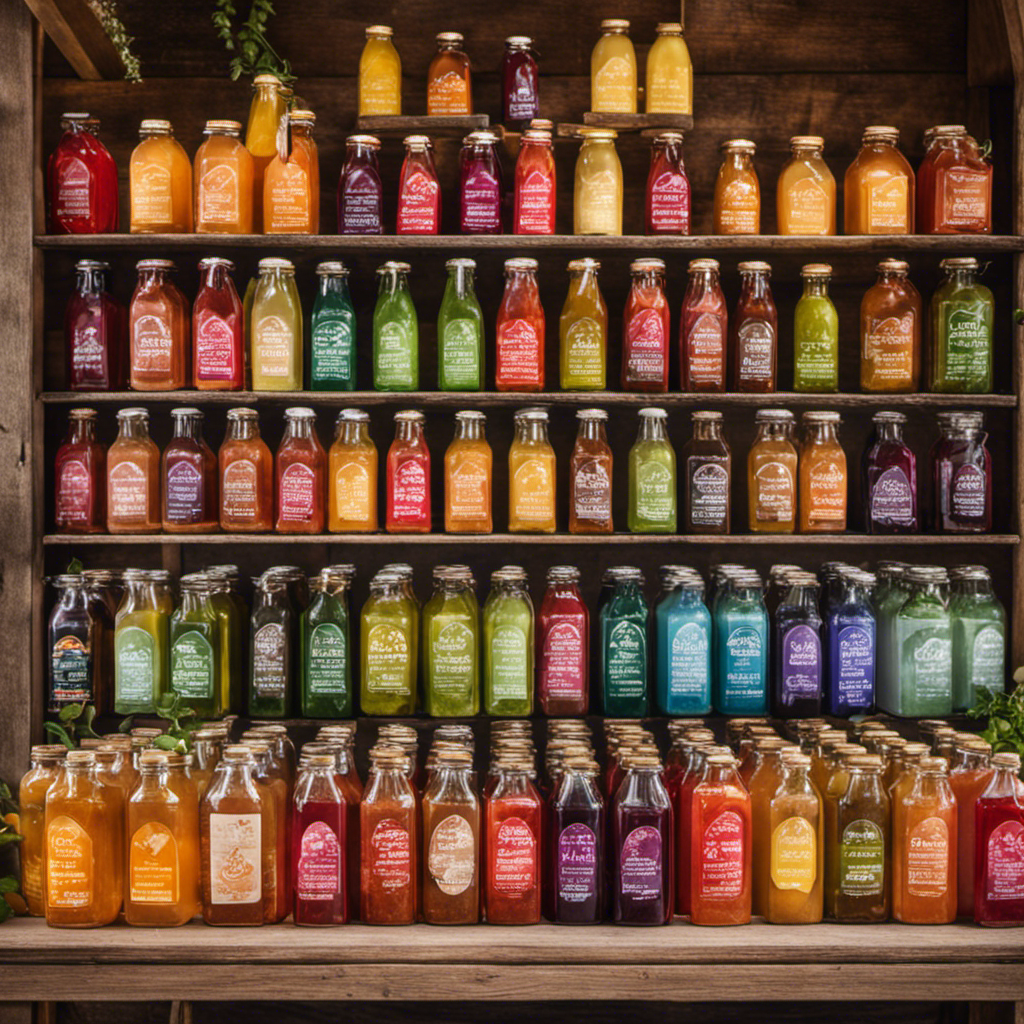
(223,177)
(816,334)
(468,471)
(81,179)
(755,331)
(534,200)
(707,468)
(195,641)
(890,332)
(449,89)
(979,636)
(514,815)
(319,839)
(613,70)
(291,183)
(682,628)
(703,330)
(583,330)
(669,77)
(646,329)
(352,475)
(78,665)
(360,193)
(590,476)
(419,191)
(380,81)
(519,80)
(218,329)
(160,182)
(332,331)
(999,863)
(509,645)
(806,193)
(273,630)
(623,623)
(890,478)
(389,637)
(133,476)
(79,477)
(396,354)
(325,652)
(408,476)
(823,477)
(480,185)
(737,209)
(668,187)
(95,329)
(954,184)
(159,322)
(772,474)
(531,475)
(597,188)
(519,330)
(460,331)
(450,643)
(578,830)
(141,642)
(652,477)
(960,337)
(246,476)
(798,649)
(299,473)
(563,645)
(961,474)
(275,337)
(189,472)
(878,187)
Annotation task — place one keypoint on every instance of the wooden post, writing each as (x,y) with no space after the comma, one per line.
(76,30)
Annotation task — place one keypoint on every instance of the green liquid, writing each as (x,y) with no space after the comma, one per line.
(140,662)
(508,655)
(979,648)
(924,643)
(388,656)
(451,653)
(325,658)
(961,324)
(396,356)
(195,660)
(652,488)
(623,625)
(333,338)
(460,340)
(815,345)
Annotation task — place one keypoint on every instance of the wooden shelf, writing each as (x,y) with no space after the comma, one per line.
(638,122)
(423,124)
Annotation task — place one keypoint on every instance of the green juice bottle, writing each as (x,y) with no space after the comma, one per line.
(232,616)
(388,649)
(652,477)
(460,331)
(271,646)
(195,665)
(622,622)
(816,334)
(332,332)
(979,636)
(960,318)
(508,644)
(141,644)
(924,642)
(396,345)
(325,646)
(451,645)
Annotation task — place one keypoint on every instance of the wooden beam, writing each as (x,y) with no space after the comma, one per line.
(988,49)
(76,30)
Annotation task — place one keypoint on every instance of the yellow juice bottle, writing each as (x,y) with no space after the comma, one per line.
(531,475)
(613,70)
(352,475)
(583,331)
(160,182)
(276,337)
(669,73)
(265,113)
(380,74)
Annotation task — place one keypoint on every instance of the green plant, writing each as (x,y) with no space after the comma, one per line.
(253,54)
(183,723)
(106,11)
(1005,714)
(11,901)
(71,719)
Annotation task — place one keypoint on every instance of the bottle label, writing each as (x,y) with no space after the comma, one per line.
(988,656)
(794,856)
(968,344)
(387,660)
(1004,875)
(892,499)
(887,210)
(809,208)
(801,664)
(670,204)
(655,492)
(393,358)
(862,859)
(615,86)
(215,349)
(184,496)
(151,345)
(153,865)
(745,666)
(74,493)
(192,666)
(626,662)
(460,354)
(689,663)
(640,864)
(816,356)
(563,661)
(577,864)
(481,204)
(70,671)
(533,492)
(756,351)
(510,676)
(592,491)
(390,855)
(963,197)
(135,664)
(826,493)
(380,86)
(418,206)
(296,494)
(74,190)
(236,864)
(217,195)
(721,858)
(931,676)
(928,858)
(739,212)
(522,100)
(318,873)
(238,490)
(273,343)
(515,858)
(968,497)
(705,349)
(152,199)
(332,349)
(889,348)
(88,355)
(452,660)
(535,204)
(856,666)
(469,491)
(667,91)
(289,197)
(353,492)
(646,349)
(600,204)
(327,669)
(69,864)
(585,353)
(269,653)
(451,855)
(519,353)
(410,501)
(709,491)
(448,94)
(776,493)
(361,209)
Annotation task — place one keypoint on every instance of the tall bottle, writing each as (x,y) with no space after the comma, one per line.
(450,643)
(669,77)
(291,182)
(389,634)
(646,329)
(806,192)
(682,628)
(195,645)
(531,475)
(999,863)
(577,847)
(408,476)
(419,191)
(703,330)
(189,474)
(823,476)
(862,845)
(81,180)
(667,203)
(741,647)
(159,328)
(954,184)
(623,645)
(300,472)
(961,474)
(141,645)
(245,476)
(449,85)
(890,332)
(960,337)
(796,883)
(583,330)
(597,188)
(737,204)
(265,114)
(79,667)
(318,844)
(460,331)
(772,474)
(563,645)
(94,332)
(223,181)
(133,476)
(755,331)
(509,645)
(45,765)
(613,69)
(218,329)
(798,650)
(468,472)
(979,636)
(352,475)
(332,331)
(480,185)
(325,654)
(160,182)
(273,646)
(396,355)
(275,340)
(534,200)
(707,475)
(380,79)
(360,193)
(514,814)
(519,80)
(519,330)
(890,478)
(853,646)
(924,647)
(878,188)
(816,334)
(590,475)
(652,477)
(79,477)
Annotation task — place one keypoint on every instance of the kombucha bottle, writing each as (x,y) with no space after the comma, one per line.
(195,648)
(352,475)
(332,331)
(318,843)
(451,645)
(796,884)
(275,340)
(326,646)
(512,850)
(218,329)
(762,784)
(878,189)
(646,329)
(890,332)
(624,627)
(583,331)
(890,478)
(531,475)
(737,204)
(245,469)
(519,330)
(563,645)
(703,330)
(81,181)
(480,185)
(816,334)
(682,645)
(265,114)
(449,90)
(741,646)
(590,475)
(380,74)
(772,474)
(291,184)
(669,75)
(961,475)
(668,187)
(960,335)
(396,342)
(389,634)
(79,477)
(360,193)
(652,477)
(419,191)
(189,475)
(577,846)
(613,70)
(408,476)
(862,844)
(133,476)
(83,854)
(299,471)
(707,469)
(954,185)
(94,332)
(45,764)
(999,857)
(597,187)
(141,642)
(273,629)
(534,200)
(979,636)
(159,326)
(468,469)
(223,181)
(160,182)
(519,81)
(460,331)
(755,331)
(508,645)
(806,192)
(823,478)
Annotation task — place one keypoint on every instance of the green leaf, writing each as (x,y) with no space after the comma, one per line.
(8,884)
(60,732)
(6,838)
(70,712)
(126,724)
(5,791)
(74,567)
(166,742)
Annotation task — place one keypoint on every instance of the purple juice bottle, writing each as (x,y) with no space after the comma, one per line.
(890,478)
(360,193)
(480,185)
(95,331)
(962,474)
(519,99)
(576,846)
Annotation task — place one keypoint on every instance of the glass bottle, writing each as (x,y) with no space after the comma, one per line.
(682,629)
(396,356)
(94,332)
(534,200)
(514,816)
(480,185)
(823,478)
(755,331)
(276,343)
(519,330)
(160,182)
(613,70)
(449,83)
(460,331)
(669,77)
(159,322)
(194,637)
(597,188)
(223,181)
(266,112)
(419,191)
(141,644)
(408,476)
(999,864)
(623,645)
(319,839)
(388,633)
(332,331)
(508,635)
(79,477)
(970,774)
(45,765)
(737,203)
(862,845)
(806,192)
(667,204)
(979,636)
(352,475)
(451,645)
(563,645)
(960,338)
(380,80)
(741,630)
(531,475)
(890,332)
(954,184)
(961,474)
(798,650)
(816,334)
(703,330)
(81,179)
(924,643)
(133,476)
(577,846)
(772,474)
(583,330)
(189,474)
(890,478)
(796,885)
(299,470)
(853,646)
(878,189)
(519,80)
(652,477)
(468,471)
(590,475)
(231,613)
(218,328)
(325,652)
(246,476)
(646,329)
(360,193)
(272,646)
(291,180)
(273,789)
(78,668)
(708,472)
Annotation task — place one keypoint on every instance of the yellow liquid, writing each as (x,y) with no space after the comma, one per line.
(806,197)
(267,109)
(352,488)
(468,468)
(223,181)
(613,75)
(380,79)
(583,336)
(276,345)
(531,489)
(669,77)
(160,183)
(597,195)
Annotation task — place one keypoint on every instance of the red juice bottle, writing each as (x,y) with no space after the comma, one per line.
(318,844)
(81,181)
(890,478)
(961,474)
(360,193)
(519,81)
(218,329)
(682,806)
(419,192)
(95,332)
(668,187)
(534,207)
(189,472)
(300,472)
(408,476)
(703,330)
(79,471)
(513,813)
(563,645)
(755,332)
(519,330)
(479,185)
(999,846)
(645,329)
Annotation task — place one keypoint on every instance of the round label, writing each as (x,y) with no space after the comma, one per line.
(451,855)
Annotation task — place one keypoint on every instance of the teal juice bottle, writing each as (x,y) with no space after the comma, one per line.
(924,647)
(652,477)
(460,331)
(325,646)
(816,334)
(682,630)
(741,647)
(979,636)
(332,332)
(451,645)
(396,344)
(508,645)
(622,625)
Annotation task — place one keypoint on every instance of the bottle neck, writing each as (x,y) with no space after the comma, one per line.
(215,277)
(754,285)
(333,284)
(133,430)
(462,281)
(188,427)
(593,431)
(822,433)
(816,287)
(299,429)
(707,430)
(409,431)
(469,430)
(652,428)
(243,429)
(890,432)
(354,433)
(89,281)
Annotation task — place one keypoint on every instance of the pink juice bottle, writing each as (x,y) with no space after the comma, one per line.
(519,81)
(999,846)
(419,192)
(81,181)
(668,187)
(360,194)
(479,185)
(95,332)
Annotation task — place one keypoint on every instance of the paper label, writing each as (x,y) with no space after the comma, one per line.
(1004,875)
(563,661)
(928,858)
(705,349)
(390,856)
(352,492)
(318,873)
(235,859)
(776,493)
(721,858)
(794,863)
(585,353)
(509,664)
(328,660)
(577,864)
(826,494)
(74,493)
(217,195)
(410,500)
(515,858)
(962,197)
(273,343)
(268,660)
(215,349)
(69,864)
(670,204)
(70,671)
(451,855)
(640,867)
(862,859)
(296,493)
(192,666)
(238,493)
(646,348)
(892,499)
(801,664)
(535,205)
(184,492)
(151,345)
(153,865)
(533,491)
(887,206)
(387,660)
(418,205)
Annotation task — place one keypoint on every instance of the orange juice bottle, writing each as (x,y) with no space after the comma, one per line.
(46,761)
(737,209)
(223,181)
(878,189)
(467,477)
(764,781)
(352,475)
(160,182)
(265,113)
(291,185)
(531,475)
(380,74)
(795,883)
(822,475)
(772,474)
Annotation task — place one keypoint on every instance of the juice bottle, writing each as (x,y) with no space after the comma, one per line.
(133,476)
(707,467)
(408,476)
(223,176)
(325,636)
(265,114)
(741,629)
(194,637)
(419,191)
(159,323)
(451,645)
(979,636)
(796,885)
(669,77)
(954,184)
(863,844)
(389,629)
(78,639)
(514,815)
(352,476)
(703,330)
(960,321)
(999,864)
(272,634)
(275,341)
(646,329)
(380,77)
(332,331)
(878,189)
(81,181)
(597,186)
(961,474)
(583,330)
(682,628)
(623,623)
(141,643)
(823,483)
(468,470)
(613,70)
(246,476)
(969,776)
(275,808)
(79,477)
(318,844)
(806,192)
(853,646)
(94,332)
(449,86)
(590,475)
(762,784)
(396,358)
(737,204)
(189,473)
(890,478)
(816,334)
(772,474)
(480,185)
(519,80)
(531,475)
(890,332)
(460,331)
(160,182)
(924,647)
(668,188)
(291,181)
(360,193)
(218,329)
(519,330)
(299,471)
(652,477)
(534,200)
(798,650)
(755,331)
(45,764)
(577,846)
(508,635)
(563,645)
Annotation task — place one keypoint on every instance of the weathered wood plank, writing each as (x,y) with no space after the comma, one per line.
(78,34)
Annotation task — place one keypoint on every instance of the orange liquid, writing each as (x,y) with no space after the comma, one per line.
(720,875)
(160,181)
(468,466)
(246,470)
(223,183)
(822,489)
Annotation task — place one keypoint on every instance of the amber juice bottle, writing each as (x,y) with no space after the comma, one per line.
(590,475)
(863,844)
(795,883)
(45,763)
(276,802)
(772,474)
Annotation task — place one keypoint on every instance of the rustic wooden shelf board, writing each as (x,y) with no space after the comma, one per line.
(638,122)
(422,124)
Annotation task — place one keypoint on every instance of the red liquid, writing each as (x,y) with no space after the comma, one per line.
(318,861)
(668,190)
(682,803)
(513,854)
(967,784)
(890,475)
(563,651)
(300,473)
(755,335)
(190,503)
(419,195)
(352,793)
(962,485)
(479,190)
(95,335)
(360,193)
(720,865)
(999,861)
(408,486)
(218,331)
(642,847)
(519,99)
(645,335)
(80,490)
(81,185)
(703,334)
(535,187)
(519,334)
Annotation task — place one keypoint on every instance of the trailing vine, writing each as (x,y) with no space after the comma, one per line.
(106,12)
(253,54)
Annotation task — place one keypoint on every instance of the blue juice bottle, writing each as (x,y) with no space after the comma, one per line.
(852,644)
(682,631)
(741,647)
